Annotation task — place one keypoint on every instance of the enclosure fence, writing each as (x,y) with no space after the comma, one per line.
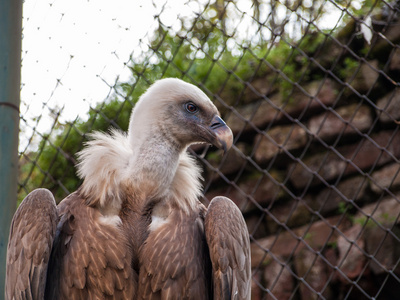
(309,88)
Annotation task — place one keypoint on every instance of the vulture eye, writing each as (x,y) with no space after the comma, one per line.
(191,107)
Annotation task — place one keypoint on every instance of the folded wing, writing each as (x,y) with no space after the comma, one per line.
(31,238)
(228,241)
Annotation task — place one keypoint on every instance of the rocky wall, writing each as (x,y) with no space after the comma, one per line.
(316,172)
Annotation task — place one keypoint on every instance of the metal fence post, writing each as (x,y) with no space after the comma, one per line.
(10,76)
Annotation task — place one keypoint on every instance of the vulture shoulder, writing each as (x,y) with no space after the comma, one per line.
(229,245)
(174,258)
(71,251)
(91,256)
(31,238)
(204,254)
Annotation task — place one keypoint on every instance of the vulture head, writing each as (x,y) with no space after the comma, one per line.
(180,114)
(152,159)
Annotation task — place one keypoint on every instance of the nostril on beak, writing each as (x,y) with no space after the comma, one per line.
(217,122)
(216,125)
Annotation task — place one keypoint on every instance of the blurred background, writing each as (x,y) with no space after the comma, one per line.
(310,89)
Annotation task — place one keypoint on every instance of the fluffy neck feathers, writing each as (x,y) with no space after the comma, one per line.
(154,169)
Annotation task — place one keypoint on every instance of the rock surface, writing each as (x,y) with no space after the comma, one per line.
(316,173)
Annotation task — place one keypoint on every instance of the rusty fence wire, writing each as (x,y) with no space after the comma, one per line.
(310,89)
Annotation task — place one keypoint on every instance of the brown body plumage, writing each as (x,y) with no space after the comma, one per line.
(135,229)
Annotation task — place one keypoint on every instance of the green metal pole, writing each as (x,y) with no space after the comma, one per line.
(10,81)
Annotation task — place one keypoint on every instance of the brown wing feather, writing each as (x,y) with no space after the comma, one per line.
(31,237)
(174,260)
(90,259)
(228,241)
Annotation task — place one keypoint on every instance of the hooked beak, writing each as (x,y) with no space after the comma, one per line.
(222,134)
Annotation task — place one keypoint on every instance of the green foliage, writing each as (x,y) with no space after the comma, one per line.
(333,245)
(350,66)
(365,222)
(367,6)
(292,58)
(52,165)
(344,207)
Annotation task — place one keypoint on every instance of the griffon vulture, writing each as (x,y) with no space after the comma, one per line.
(135,229)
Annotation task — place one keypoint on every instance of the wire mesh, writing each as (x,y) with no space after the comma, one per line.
(309,88)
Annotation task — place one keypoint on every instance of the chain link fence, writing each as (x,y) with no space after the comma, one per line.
(310,89)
